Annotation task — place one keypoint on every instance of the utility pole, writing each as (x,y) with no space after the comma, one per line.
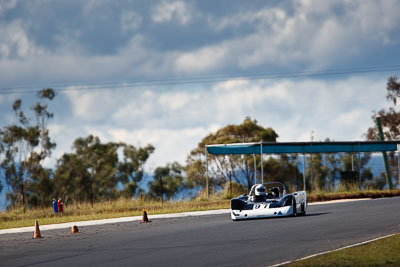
(208,191)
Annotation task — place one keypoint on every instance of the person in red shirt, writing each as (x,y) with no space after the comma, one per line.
(60,205)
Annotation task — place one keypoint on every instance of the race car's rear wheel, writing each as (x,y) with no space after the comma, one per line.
(294,207)
(303,210)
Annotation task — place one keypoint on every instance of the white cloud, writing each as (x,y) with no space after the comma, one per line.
(174,121)
(91,105)
(130,21)
(15,41)
(201,60)
(347,119)
(168,11)
(6,5)
(313,33)
(265,17)
(178,101)
(63,134)
(299,35)
(170,144)
(90,7)
(365,19)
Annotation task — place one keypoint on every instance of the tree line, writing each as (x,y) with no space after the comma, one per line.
(96,171)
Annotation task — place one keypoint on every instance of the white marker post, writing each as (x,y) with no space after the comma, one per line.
(262,162)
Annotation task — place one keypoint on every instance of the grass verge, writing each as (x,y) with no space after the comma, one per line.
(125,207)
(383,252)
(324,196)
(103,210)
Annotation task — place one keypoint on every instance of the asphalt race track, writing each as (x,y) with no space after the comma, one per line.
(207,240)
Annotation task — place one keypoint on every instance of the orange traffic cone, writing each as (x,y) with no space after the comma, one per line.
(144,217)
(37,231)
(74,230)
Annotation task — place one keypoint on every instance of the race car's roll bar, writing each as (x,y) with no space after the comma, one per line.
(269,183)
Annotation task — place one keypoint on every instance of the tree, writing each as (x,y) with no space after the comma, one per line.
(282,169)
(40,188)
(101,162)
(390,119)
(168,181)
(317,172)
(131,169)
(333,173)
(390,124)
(95,170)
(1,152)
(393,89)
(72,181)
(227,168)
(357,163)
(25,146)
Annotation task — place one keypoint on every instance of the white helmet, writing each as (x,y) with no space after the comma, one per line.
(260,190)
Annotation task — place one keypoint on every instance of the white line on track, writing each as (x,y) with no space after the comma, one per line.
(337,201)
(338,249)
(138,218)
(114,220)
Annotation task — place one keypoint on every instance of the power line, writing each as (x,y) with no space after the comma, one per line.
(193,80)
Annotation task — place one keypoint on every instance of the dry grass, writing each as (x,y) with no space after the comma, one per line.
(103,210)
(127,207)
(323,196)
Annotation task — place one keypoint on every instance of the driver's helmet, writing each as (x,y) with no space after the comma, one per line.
(260,190)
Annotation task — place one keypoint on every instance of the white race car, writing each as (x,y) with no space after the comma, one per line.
(268,200)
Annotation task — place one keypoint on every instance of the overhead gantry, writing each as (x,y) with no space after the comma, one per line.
(260,148)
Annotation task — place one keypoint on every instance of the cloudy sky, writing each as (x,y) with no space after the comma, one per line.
(170,72)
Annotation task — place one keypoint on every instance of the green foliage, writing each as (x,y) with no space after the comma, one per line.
(24,147)
(167,181)
(233,190)
(130,171)
(283,169)
(101,162)
(317,172)
(72,179)
(94,171)
(390,119)
(224,168)
(393,89)
(41,188)
(376,182)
